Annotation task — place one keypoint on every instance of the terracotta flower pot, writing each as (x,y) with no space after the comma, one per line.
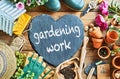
(111,37)
(115,47)
(103,52)
(116,62)
(115,24)
(96,32)
(114,73)
(97,42)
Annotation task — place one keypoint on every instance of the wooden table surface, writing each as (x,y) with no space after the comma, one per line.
(87,19)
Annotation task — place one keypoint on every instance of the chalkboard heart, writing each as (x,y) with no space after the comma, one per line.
(57,40)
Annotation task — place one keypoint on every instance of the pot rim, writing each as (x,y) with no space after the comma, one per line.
(95,31)
(114,32)
(113,73)
(108,53)
(113,62)
(97,39)
(116,26)
(108,42)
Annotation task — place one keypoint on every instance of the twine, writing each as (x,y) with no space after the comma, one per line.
(17,43)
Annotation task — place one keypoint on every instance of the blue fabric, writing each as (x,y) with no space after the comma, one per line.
(43,23)
(75,4)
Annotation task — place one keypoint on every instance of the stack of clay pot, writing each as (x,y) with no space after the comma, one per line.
(97,36)
(116,62)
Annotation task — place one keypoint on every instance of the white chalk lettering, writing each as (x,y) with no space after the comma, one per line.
(67,46)
(42,35)
(45,33)
(66,30)
(36,36)
(59,47)
(50,49)
(51,32)
(56,47)
(57,32)
(77,29)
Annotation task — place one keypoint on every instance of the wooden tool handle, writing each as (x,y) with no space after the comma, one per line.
(91,73)
(83,54)
(85,42)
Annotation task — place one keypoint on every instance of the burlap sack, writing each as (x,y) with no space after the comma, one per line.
(66,63)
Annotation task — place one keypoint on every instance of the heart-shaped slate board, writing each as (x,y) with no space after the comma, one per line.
(56,40)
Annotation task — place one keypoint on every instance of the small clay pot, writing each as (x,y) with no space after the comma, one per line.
(115,47)
(96,32)
(111,36)
(103,52)
(97,42)
(114,72)
(116,62)
(115,24)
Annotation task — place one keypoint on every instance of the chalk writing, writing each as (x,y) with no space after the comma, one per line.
(66,30)
(59,47)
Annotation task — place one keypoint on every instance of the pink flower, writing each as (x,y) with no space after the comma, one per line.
(104,7)
(100,21)
(105,11)
(104,26)
(20,5)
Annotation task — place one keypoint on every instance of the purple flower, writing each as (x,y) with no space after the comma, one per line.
(104,26)
(105,12)
(20,5)
(100,21)
(103,7)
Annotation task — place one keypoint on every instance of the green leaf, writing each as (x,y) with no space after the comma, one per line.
(110,16)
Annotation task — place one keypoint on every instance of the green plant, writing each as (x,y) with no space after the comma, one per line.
(19,72)
(117,50)
(113,52)
(20,64)
(114,7)
(30,3)
(29,75)
(20,59)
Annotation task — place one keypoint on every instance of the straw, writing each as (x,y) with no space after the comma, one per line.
(11,61)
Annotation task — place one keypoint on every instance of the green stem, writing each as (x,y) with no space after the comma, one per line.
(114,11)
